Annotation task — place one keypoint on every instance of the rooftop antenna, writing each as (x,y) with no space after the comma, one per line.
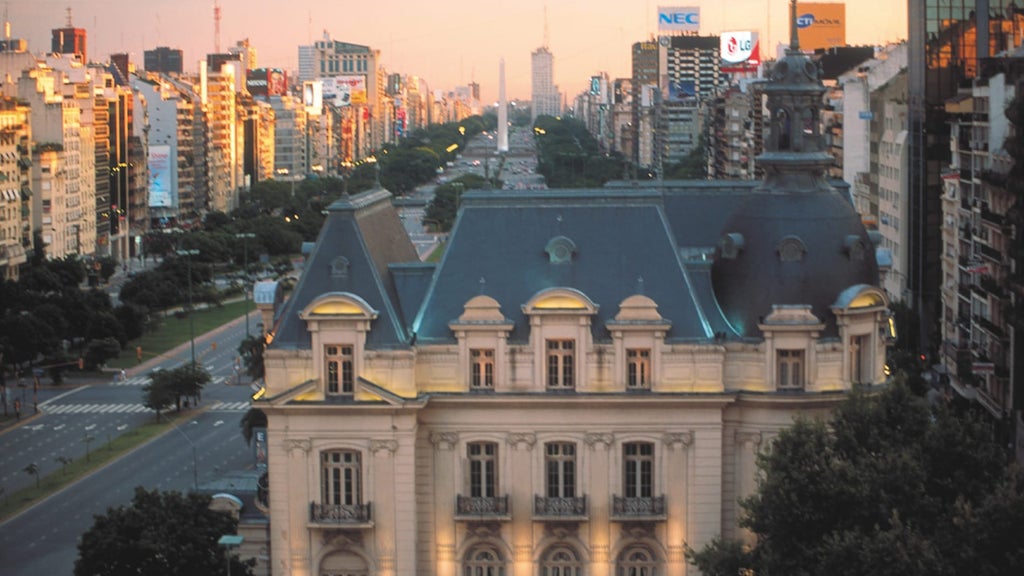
(216,26)
(68,10)
(7,25)
(545,25)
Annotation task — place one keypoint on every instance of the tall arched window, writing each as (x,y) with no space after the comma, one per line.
(483,561)
(636,561)
(561,561)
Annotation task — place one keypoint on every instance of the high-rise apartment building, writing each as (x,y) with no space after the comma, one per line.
(163,60)
(544,96)
(982,348)
(689,78)
(946,41)
(16,188)
(69,40)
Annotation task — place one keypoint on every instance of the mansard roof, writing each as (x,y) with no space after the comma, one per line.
(658,241)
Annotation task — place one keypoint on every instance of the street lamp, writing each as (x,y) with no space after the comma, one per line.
(229,541)
(188,254)
(245,270)
(195,466)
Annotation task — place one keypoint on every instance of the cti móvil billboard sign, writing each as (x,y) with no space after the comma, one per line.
(820,25)
(679,19)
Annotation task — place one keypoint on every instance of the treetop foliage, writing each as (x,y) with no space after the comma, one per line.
(890,485)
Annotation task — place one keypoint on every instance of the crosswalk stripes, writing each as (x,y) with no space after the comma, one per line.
(230,406)
(131,408)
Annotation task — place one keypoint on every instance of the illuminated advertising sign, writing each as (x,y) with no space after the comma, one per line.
(161,191)
(345,90)
(267,82)
(820,25)
(741,51)
(313,96)
(679,90)
(679,19)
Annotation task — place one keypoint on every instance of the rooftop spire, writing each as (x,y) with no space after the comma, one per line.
(794,38)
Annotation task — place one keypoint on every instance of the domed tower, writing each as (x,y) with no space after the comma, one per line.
(797,240)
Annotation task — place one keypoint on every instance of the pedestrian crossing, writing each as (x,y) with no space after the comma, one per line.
(131,408)
(144,379)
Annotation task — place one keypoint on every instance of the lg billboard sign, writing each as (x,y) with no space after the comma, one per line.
(679,19)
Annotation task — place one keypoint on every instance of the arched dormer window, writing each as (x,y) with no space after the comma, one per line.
(638,331)
(482,331)
(338,323)
(560,336)
(862,317)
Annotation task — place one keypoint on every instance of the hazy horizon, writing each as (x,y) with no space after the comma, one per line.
(448,43)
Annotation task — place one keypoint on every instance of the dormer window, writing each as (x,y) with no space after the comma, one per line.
(338,323)
(560,335)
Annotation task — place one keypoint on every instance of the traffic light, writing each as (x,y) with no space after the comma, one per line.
(81,363)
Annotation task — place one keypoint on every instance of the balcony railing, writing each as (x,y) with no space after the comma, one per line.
(339,514)
(560,507)
(650,508)
(477,507)
(990,253)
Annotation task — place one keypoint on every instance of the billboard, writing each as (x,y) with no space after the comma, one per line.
(267,82)
(741,51)
(313,96)
(820,25)
(161,192)
(679,19)
(345,90)
(679,90)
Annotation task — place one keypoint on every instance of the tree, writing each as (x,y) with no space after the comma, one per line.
(251,350)
(33,470)
(159,534)
(159,394)
(252,419)
(97,352)
(890,485)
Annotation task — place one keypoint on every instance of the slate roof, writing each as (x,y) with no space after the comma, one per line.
(364,230)
(658,240)
(624,245)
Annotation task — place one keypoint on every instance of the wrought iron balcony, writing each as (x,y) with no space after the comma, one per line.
(560,508)
(339,514)
(481,507)
(650,508)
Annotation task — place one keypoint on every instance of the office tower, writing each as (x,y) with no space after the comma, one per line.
(543,92)
(69,40)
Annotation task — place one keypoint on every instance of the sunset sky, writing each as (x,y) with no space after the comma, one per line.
(446,42)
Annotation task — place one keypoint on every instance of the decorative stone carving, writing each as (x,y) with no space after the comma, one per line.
(444,440)
(678,439)
(522,440)
(599,440)
(341,539)
(745,437)
(446,552)
(293,444)
(676,553)
(387,446)
(523,552)
(599,552)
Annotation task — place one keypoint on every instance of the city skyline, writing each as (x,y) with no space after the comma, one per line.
(448,43)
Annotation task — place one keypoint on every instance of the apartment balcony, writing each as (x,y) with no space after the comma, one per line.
(340,515)
(964,290)
(991,217)
(990,327)
(638,509)
(493,508)
(560,508)
(990,253)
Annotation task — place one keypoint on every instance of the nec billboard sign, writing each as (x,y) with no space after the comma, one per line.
(679,19)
